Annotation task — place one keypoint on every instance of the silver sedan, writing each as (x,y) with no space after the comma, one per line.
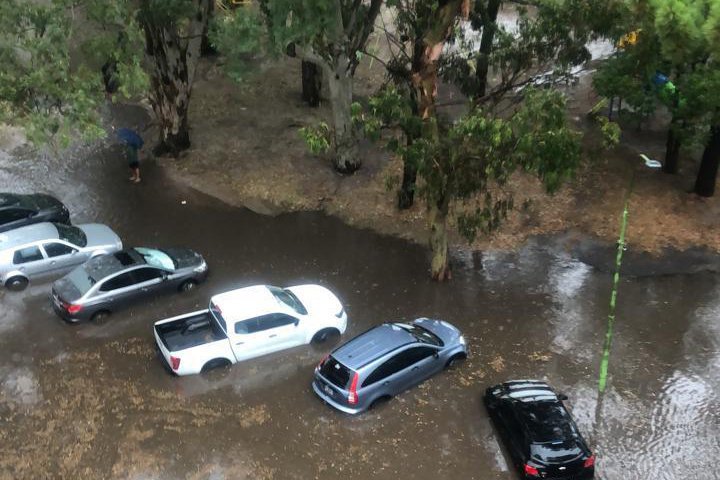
(50,249)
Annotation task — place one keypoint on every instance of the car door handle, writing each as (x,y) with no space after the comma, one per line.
(414,368)
(240,343)
(273,335)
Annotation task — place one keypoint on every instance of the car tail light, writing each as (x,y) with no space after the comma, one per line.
(589,462)
(324,359)
(531,471)
(73,309)
(174,363)
(353,396)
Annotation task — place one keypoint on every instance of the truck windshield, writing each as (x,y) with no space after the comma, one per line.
(288,298)
(217,315)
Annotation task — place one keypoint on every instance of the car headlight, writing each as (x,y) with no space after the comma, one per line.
(200,268)
(462,340)
(340,313)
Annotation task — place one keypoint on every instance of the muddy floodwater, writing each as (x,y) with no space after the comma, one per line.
(93,401)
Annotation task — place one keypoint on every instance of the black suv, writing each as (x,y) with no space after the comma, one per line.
(20,210)
(538,431)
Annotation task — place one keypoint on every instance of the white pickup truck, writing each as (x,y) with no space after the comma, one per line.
(246,323)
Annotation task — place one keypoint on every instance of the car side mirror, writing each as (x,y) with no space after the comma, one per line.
(562,397)
(436,355)
(297,322)
(164,277)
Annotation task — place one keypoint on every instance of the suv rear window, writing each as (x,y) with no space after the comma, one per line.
(337,373)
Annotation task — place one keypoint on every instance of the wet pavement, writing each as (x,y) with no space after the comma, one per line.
(93,401)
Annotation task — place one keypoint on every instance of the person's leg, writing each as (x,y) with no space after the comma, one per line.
(136,174)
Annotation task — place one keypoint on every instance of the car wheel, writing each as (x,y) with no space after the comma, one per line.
(16,284)
(323,335)
(379,401)
(100,317)
(216,363)
(455,359)
(188,285)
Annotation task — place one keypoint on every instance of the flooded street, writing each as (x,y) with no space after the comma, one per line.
(93,401)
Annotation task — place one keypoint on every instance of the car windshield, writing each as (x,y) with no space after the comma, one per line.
(288,298)
(548,422)
(8,199)
(156,258)
(337,373)
(555,452)
(71,234)
(421,334)
(81,279)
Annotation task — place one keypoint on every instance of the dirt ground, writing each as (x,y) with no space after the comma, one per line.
(247,151)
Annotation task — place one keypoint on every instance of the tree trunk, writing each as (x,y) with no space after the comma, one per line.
(311,83)
(707,175)
(174,58)
(347,156)
(672,151)
(439,265)
(489,27)
(206,48)
(406,194)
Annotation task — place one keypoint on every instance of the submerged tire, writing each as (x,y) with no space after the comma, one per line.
(187,285)
(215,364)
(100,317)
(379,401)
(16,284)
(324,334)
(455,359)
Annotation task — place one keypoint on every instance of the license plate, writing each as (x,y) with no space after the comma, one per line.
(328,390)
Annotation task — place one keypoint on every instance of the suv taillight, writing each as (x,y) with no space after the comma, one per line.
(73,309)
(174,362)
(353,396)
(589,462)
(531,471)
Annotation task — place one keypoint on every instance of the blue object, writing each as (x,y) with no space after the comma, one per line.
(659,79)
(131,137)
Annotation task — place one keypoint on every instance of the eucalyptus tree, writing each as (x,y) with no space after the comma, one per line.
(464,165)
(52,53)
(491,63)
(330,34)
(668,56)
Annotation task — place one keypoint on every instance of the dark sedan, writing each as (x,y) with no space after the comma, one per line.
(20,210)
(110,282)
(538,431)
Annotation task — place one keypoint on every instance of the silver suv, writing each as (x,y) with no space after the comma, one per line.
(50,249)
(386,360)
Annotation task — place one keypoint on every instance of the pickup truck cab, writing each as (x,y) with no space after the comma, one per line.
(247,323)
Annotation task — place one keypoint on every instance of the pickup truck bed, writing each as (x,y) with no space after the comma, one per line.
(190,332)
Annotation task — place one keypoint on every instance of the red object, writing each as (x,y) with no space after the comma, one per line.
(590,461)
(353,396)
(531,470)
(323,360)
(175,362)
(73,309)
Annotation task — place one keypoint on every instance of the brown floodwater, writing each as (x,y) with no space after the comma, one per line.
(93,401)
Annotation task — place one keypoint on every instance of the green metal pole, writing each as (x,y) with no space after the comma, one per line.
(602,383)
